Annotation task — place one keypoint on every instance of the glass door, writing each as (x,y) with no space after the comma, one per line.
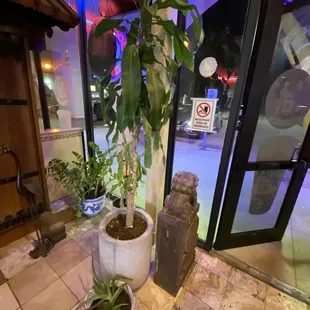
(271,156)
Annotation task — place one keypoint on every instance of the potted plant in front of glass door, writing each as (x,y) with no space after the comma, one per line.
(140,102)
(86,180)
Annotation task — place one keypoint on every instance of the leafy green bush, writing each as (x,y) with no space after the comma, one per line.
(85,179)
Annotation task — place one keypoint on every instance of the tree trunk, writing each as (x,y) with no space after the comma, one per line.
(130,199)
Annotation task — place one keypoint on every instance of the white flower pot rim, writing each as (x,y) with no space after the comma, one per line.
(115,213)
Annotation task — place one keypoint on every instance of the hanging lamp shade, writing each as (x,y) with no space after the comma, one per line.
(101,52)
(110,8)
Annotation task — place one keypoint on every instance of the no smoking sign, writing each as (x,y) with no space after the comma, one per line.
(203,109)
(203,112)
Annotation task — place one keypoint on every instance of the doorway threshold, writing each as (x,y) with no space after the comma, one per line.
(256,273)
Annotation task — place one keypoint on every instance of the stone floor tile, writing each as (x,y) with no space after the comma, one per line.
(96,255)
(78,226)
(215,265)
(66,257)
(76,306)
(32,281)
(7,299)
(154,297)
(206,286)
(2,278)
(56,297)
(14,257)
(199,251)
(282,301)
(237,299)
(140,305)
(89,240)
(186,300)
(248,284)
(80,278)
(32,237)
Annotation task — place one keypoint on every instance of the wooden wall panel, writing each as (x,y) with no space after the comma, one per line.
(19,132)
(16,133)
(12,83)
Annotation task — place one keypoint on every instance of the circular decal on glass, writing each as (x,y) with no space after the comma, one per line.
(61,90)
(208,66)
(288,101)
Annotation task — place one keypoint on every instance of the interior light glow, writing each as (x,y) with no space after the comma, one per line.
(47,66)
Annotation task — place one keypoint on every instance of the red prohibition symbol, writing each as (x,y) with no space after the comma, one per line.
(203,109)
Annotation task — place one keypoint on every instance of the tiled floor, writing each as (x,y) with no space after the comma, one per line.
(59,281)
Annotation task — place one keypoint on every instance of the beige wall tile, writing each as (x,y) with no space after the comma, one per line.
(282,301)
(154,297)
(186,300)
(32,281)
(206,286)
(80,279)
(215,265)
(56,297)
(89,240)
(66,257)
(7,299)
(248,284)
(237,299)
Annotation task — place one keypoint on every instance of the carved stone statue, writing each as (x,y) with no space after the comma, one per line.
(177,233)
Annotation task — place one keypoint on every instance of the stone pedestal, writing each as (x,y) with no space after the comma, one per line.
(177,236)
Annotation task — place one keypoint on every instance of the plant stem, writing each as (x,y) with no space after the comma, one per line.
(132,192)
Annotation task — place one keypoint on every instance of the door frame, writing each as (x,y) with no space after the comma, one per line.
(256,87)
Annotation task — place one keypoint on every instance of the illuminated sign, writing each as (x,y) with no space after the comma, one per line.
(121,41)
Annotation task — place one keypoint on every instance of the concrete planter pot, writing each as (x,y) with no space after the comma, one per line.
(129,258)
(91,207)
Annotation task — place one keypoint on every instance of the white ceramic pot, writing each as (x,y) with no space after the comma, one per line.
(127,258)
(129,291)
(92,207)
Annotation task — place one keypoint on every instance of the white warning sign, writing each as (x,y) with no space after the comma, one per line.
(203,112)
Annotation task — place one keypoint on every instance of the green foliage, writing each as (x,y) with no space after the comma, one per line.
(144,99)
(105,292)
(85,179)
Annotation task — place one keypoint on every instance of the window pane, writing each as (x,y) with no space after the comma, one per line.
(200,152)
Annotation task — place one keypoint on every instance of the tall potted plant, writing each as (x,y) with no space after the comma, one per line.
(141,101)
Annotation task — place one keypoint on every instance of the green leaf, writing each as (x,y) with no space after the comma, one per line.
(107,25)
(176,4)
(145,103)
(197,27)
(132,35)
(156,94)
(131,82)
(121,122)
(183,55)
(156,140)
(172,29)
(147,144)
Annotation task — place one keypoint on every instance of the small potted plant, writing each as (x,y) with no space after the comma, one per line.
(108,294)
(140,102)
(86,180)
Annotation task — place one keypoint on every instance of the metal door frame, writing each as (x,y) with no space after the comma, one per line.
(256,87)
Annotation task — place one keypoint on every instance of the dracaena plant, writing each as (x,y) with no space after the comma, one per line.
(143,96)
